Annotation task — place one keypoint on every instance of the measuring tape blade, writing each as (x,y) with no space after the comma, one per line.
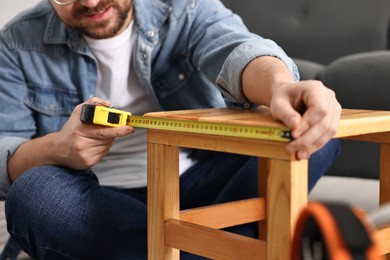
(112,117)
(200,127)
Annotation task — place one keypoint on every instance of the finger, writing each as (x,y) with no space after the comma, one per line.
(91,101)
(311,117)
(305,146)
(98,101)
(104,132)
(313,139)
(326,113)
(283,110)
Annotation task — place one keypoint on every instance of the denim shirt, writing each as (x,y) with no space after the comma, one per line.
(188,54)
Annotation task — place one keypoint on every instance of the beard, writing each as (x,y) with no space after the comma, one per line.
(100,29)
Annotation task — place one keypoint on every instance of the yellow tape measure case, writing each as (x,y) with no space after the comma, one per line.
(101,115)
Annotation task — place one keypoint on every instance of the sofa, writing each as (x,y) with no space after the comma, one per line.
(343,43)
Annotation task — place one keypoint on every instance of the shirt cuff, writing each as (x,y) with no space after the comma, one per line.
(8,147)
(229,79)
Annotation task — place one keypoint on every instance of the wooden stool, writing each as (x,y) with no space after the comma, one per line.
(283,187)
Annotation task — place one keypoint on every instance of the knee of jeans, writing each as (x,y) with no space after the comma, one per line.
(52,207)
(41,180)
(47,197)
(31,186)
(21,190)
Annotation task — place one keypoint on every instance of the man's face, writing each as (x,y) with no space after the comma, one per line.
(97,19)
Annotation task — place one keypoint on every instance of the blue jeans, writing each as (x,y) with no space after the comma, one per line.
(58,213)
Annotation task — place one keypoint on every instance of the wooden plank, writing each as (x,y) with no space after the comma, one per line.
(287,196)
(244,146)
(264,166)
(360,122)
(212,243)
(375,137)
(226,214)
(163,198)
(257,117)
(353,122)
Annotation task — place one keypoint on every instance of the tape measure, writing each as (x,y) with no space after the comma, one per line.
(108,116)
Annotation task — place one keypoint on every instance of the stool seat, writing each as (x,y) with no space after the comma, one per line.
(283,185)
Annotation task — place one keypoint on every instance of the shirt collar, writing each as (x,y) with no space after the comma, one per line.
(150,17)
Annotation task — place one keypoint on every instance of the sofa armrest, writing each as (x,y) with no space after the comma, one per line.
(308,69)
(360,81)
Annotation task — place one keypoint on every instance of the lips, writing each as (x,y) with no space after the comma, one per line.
(99,14)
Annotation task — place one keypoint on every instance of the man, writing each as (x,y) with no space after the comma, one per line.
(141,56)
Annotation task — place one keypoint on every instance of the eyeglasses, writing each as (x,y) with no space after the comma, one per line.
(64,2)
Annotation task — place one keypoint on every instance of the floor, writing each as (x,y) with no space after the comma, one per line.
(361,193)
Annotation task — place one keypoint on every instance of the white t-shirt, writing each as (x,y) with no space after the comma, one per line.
(125,166)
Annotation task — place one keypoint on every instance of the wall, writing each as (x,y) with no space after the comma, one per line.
(9,8)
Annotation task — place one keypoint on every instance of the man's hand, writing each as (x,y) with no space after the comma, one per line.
(76,145)
(83,145)
(308,108)
(311,111)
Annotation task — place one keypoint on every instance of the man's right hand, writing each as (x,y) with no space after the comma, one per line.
(83,145)
(76,145)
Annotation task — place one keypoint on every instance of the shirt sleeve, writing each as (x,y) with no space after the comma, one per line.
(222,46)
(16,120)
(229,78)
(8,147)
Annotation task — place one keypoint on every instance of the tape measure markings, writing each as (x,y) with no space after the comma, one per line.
(246,131)
(108,116)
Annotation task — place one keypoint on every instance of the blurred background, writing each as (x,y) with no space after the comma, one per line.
(10,8)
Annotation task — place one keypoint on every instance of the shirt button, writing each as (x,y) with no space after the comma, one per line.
(52,107)
(181,76)
(144,56)
(150,33)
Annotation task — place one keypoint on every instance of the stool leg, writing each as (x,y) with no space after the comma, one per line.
(384,184)
(286,197)
(163,197)
(263,172)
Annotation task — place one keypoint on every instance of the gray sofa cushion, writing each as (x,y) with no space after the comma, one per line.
(318,30)
(308,69)
(361,81)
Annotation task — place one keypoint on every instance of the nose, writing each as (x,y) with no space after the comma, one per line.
(89,3)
